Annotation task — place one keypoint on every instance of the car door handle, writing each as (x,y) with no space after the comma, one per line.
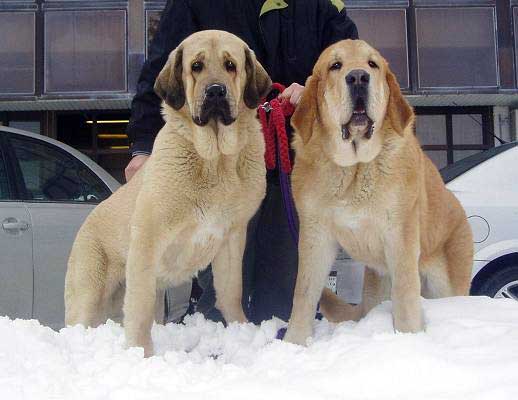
(12,224)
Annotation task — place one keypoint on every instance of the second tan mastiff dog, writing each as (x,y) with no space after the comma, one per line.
(361,181)
(191,203)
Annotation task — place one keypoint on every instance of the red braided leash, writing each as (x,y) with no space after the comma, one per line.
(274,129)
(277,147)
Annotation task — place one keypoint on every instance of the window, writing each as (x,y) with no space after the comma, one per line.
(100,135)
(456,47)
(450,134)
(430,130)
(85,51)
(152,22)
(4,180)
(50,174)
(515,19)
(31,121)
(26,125)
(386,31)
(17,52)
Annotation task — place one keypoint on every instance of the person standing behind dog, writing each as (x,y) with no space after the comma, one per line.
(287,37)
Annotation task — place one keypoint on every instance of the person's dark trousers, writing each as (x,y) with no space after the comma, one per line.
(207,301)
(270,264)
(276,260)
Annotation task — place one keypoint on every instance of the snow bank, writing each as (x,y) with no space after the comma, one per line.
(469,351)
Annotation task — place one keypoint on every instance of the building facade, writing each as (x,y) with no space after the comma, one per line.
(68,69)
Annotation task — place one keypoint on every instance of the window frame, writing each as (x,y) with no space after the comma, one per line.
(405,86)
(95,150)
(421,86)
(8,117)
(80,8)
(18,175)
(147,15)
(488,139)
(6,158)
(33,13)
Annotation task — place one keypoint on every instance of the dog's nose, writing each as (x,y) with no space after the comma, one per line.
(215,91)
(357,78)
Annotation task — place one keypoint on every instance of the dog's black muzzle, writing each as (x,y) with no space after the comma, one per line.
(215,106)
(358,84)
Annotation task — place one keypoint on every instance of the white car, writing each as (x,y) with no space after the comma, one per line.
(47,189)
(487,186)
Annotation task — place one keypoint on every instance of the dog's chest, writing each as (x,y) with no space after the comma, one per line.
(357,186)
(360,232)
(212,230)
(194,247)
(196,242)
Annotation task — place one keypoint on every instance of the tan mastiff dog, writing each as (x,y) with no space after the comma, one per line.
(361,181)
(191,203)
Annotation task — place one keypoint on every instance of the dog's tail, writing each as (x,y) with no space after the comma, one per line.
(337,310)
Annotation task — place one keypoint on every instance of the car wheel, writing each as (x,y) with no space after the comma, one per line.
(501,284)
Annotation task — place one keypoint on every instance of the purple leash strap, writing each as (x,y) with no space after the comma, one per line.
(287,200)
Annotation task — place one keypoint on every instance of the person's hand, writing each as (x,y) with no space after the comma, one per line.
(134,165)
(293,93)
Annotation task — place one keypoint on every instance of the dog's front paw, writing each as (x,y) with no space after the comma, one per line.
(409,325)
(147,345)
(234,314)
(239,316)
(148,350)
(297,335)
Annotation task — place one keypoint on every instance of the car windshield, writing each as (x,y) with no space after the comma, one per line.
(452,171)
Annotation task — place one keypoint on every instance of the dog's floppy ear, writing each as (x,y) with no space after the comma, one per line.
(307,110)
(399,111)
(169,83)
(258,83)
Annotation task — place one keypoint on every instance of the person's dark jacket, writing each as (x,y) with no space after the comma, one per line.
(287,37)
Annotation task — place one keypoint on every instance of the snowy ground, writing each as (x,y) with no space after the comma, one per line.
(469,351)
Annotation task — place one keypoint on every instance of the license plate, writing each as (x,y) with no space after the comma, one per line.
(331,281)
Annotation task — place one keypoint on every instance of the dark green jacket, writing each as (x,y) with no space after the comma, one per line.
(286,35)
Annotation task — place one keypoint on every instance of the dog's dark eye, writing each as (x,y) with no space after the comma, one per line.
(197,66)
(230,66)
(336,66)
(372,64)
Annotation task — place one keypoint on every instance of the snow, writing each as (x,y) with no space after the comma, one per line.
(468,351)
